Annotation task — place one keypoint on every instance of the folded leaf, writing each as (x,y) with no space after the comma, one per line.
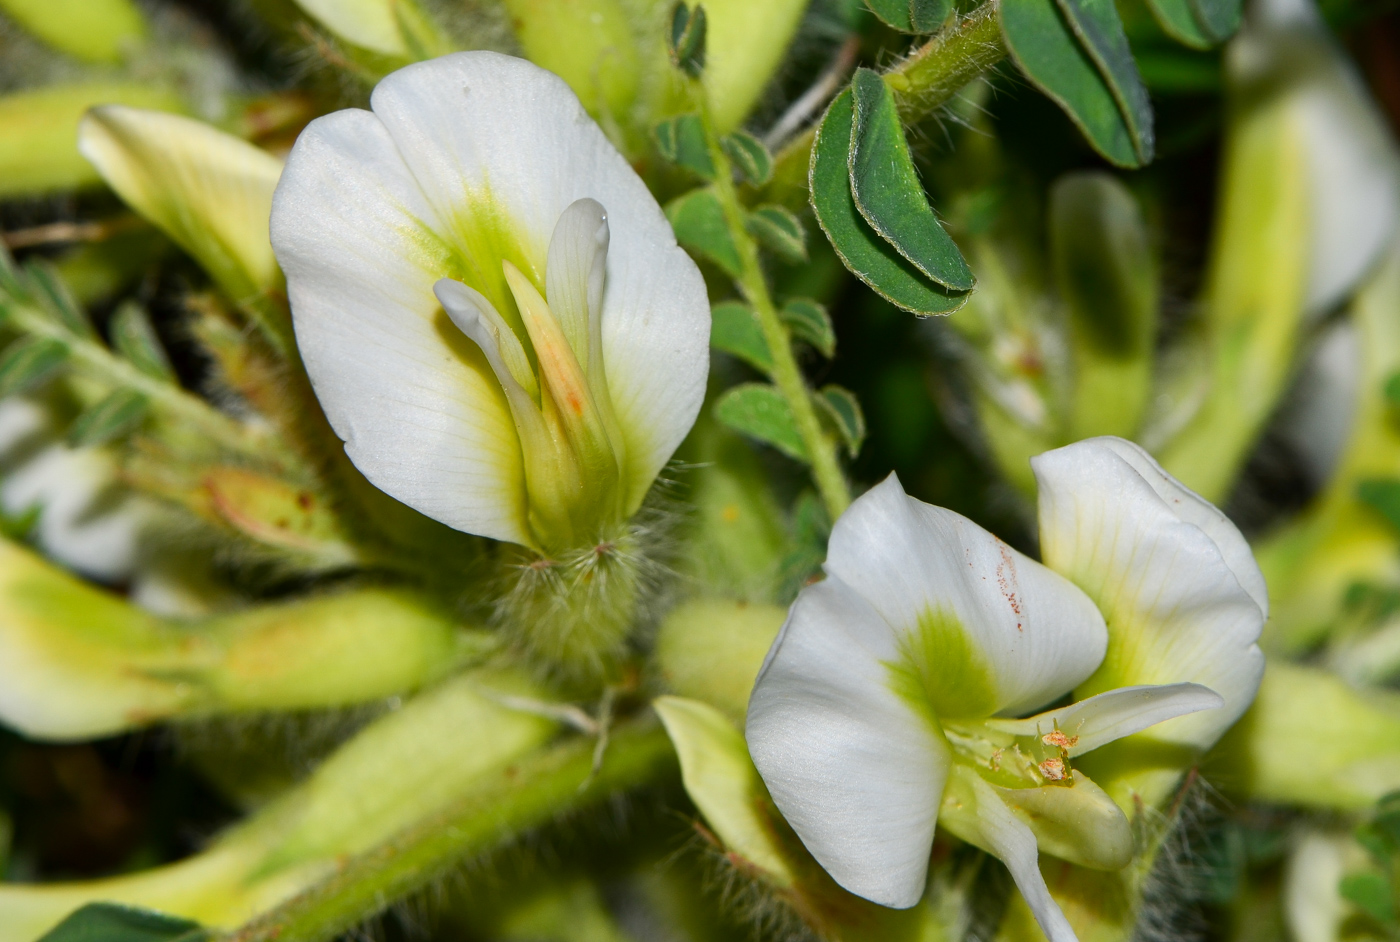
(1178,20)
(779,231)
(28,362)
(887,189)
(868,256)
(750,156)
(911,16)
(113,416)
(843,409)
(1047,50)
(135,338)
(1100,33)
(760,411)
(681,140)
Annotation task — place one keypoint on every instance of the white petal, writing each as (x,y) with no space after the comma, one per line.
(983,819)
(1108,716)
(415,401)
(1174,578)
(484,125)
(1035,633)
(853,766)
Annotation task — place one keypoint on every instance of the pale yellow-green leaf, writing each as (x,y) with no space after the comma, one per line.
(90,30)
(209,191)
(711,649)
(370,24)
(39,132)
(720,778)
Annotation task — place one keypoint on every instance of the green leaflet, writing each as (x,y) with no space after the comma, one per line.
(809,321)
(1101,35)
(53,294)
(1178,20)
(134,338)
(779,231)
(843,409)
(28,362)
(1371,893)
(750,156)
(911,16)
(698,219)
(687,46)
(114,416)
(887,190)
(108,922)
(760,411)
(1047,50)
(1217,18)
(734,329)
(681,140)
(872,259)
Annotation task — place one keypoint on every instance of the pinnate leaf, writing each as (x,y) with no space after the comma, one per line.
(698,220)
(779,231)
(681,140)
(115,415)
(760,411)
(28,362)
(750,156)
(911,16)
(135,338)
(887,189)
(843,409)
(735,330)
(1048,49)
(872,259)
(808,320)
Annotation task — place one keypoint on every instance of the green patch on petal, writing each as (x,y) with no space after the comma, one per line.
(940,672)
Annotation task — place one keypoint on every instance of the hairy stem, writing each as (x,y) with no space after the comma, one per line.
(787,377)
(931,75)
(527,794)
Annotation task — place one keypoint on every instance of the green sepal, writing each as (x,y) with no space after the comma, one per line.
(760,411)
(1049,53)
(53,295)
(681,140)
(750,156)
(698,220)
(688,39)
(779,231)
(135,338)
(809,321)
(735,330)
(28,362)
(115,415)
(843,409)
(887,190)
(869,257)
(911,16)
(109,922)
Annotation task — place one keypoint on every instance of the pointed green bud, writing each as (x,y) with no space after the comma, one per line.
(80,662)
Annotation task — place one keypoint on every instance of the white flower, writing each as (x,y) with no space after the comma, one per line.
(888,703)
(491,305)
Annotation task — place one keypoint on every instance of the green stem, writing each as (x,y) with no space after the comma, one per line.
(525,795)
(931,75)
(787,376)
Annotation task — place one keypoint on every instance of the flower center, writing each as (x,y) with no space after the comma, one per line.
(570,443)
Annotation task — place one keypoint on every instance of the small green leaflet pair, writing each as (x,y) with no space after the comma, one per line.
(108,922)
(757,409)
